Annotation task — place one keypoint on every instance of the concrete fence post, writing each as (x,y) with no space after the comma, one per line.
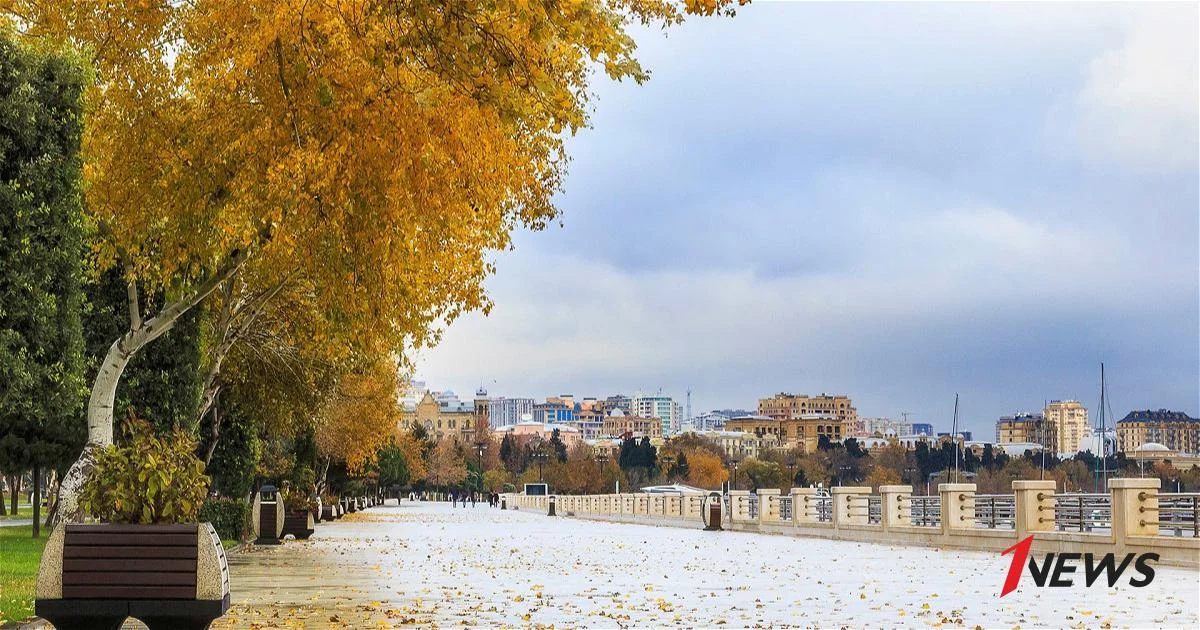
(691,508)
(850,505)
(768,506)
(804,511)
(958,506)
(1134,507)
(739,506)
(1034,506)
(895,506)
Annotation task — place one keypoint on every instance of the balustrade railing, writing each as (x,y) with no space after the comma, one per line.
(1178,514)
(1082,512)
(995,511)
(926,511)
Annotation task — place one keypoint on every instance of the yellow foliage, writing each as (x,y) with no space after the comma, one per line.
(377,149)
(359,417)
(705,470)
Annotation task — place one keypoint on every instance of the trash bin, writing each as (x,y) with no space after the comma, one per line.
(268,516)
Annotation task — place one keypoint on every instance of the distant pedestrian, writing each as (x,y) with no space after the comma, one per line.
(472,499)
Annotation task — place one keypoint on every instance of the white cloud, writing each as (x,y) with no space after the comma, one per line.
(1140,104)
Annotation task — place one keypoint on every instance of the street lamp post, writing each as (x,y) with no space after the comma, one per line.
(540,457)
(842,470)
(668,461)
(909,471)
(733,478)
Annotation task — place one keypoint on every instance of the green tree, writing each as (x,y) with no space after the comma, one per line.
(41,253)
(679,470)
(394,470)
(556,444)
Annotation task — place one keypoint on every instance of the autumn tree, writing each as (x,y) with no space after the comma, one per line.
(376,149)
(360,416)
(447,466)
(705,470)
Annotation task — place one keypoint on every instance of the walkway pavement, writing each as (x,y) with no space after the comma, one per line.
(430,564)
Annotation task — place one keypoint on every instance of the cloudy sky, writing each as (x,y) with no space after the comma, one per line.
(895,202)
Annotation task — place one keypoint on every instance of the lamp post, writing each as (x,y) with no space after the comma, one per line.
(539,456)
(842,470)
(791,473)
(668,461)
(733,478)
(909,472)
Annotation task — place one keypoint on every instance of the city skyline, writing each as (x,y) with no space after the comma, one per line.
(986,200)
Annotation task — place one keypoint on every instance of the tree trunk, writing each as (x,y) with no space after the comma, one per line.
(15,487)
(104,389)
(37,501)
(3,505)
(216,433)
(51,498)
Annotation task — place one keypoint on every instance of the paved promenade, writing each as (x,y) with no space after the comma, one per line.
(429,564)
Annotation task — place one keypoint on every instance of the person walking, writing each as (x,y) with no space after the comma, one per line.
(472,499)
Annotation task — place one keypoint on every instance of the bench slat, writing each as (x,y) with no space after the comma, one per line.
(103,565)
(92,539)
(156,578)
(120,551)
(129,592)
(145,530)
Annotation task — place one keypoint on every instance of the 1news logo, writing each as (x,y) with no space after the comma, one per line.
(1056,566)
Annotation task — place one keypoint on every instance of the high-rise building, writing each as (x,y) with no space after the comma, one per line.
(503,412)
(1071,426)
(618,401)
(658,406)
(553,412)
(1023,428)
(886,427)
(922,428)
(784,406)
(1175,430)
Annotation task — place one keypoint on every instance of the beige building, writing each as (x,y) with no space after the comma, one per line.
(784,406)
(617,424)
(1071,427)
(1024,428)
(787,433)
(1175,430)
(738,445)
(442,419)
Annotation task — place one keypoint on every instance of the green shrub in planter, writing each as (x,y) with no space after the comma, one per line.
(230,517)
(150,480)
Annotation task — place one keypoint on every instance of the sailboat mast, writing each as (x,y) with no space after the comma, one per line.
(1102,465)
(954,437)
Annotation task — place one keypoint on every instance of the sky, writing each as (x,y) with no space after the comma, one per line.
(898,202)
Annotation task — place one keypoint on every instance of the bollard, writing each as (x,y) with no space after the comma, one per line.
(550,502)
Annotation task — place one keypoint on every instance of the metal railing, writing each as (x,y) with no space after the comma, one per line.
(785,508)
(1081,512)
(1178,513)
(875,509)
(996,511)
(926,511)
(752,506)
(819,507)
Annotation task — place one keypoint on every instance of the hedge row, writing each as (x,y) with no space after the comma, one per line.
(230,517)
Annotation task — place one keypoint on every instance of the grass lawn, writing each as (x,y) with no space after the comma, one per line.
(20,554)
(23,511)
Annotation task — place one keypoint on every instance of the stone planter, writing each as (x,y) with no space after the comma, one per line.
(299,524)
(167,576)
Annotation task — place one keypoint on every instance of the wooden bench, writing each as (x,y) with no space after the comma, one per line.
(167,576)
